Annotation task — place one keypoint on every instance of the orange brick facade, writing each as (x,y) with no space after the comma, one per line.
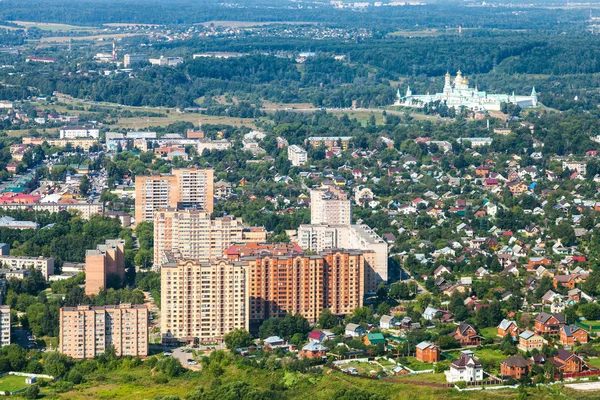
(514,370)
(578,336)
(103,264)
(430,354)
(512,330)
(305,284)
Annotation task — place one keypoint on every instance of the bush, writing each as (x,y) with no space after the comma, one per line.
(32,392)
(151,362)
(461,384)
(75,377)
(63,386)
(441,366)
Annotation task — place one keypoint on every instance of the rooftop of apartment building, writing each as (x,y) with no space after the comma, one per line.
(250,249)
(174,262)
(331,193)
(367,233)
(103,248)
(25,257)
(123,306)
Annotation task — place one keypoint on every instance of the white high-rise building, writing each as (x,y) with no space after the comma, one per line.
(204,300)
(330,206)
(4,326)
(192,234)
(331,228)
(321,237)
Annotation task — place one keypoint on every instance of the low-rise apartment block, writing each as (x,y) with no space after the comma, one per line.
(73,132)
(20,263)
(85,209)
(297,155)
(86,331)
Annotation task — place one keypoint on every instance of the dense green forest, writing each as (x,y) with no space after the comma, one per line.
(440,15)
(563,68)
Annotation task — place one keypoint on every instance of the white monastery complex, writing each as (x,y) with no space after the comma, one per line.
(459,94)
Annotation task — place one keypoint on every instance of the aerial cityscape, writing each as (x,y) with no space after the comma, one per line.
(299,199)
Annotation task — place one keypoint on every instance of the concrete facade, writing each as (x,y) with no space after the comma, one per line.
(86,331)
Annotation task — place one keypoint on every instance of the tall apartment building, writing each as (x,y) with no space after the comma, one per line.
(203,300)
(86,331)
(364,238)
(330,228)
(305,284)
(4,326)
(104,263)
(184,187)
(329,206)
(297,155)
(352,237)
(20,263)
(192,234)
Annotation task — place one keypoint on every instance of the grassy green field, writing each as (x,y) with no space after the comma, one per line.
(52,27)
(490,333)
(11,383)
(141,384)
(430,378)
(594,361)
(415,364)
(488,355)
(595,324)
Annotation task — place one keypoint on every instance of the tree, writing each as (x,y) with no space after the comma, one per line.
(56,364)
(571,315)
(144,258)
(399,291)
(84,185)
(383,309)
(448,342)
(590,311)
(327,320)
(238,338)
(32,392)
(361,315)
(382,291)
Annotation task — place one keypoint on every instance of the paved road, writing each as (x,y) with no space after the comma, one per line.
(183,358)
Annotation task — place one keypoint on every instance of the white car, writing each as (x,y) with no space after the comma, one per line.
(167,354)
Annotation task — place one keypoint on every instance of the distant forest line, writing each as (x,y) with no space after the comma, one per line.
(561,67)
(385,19)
